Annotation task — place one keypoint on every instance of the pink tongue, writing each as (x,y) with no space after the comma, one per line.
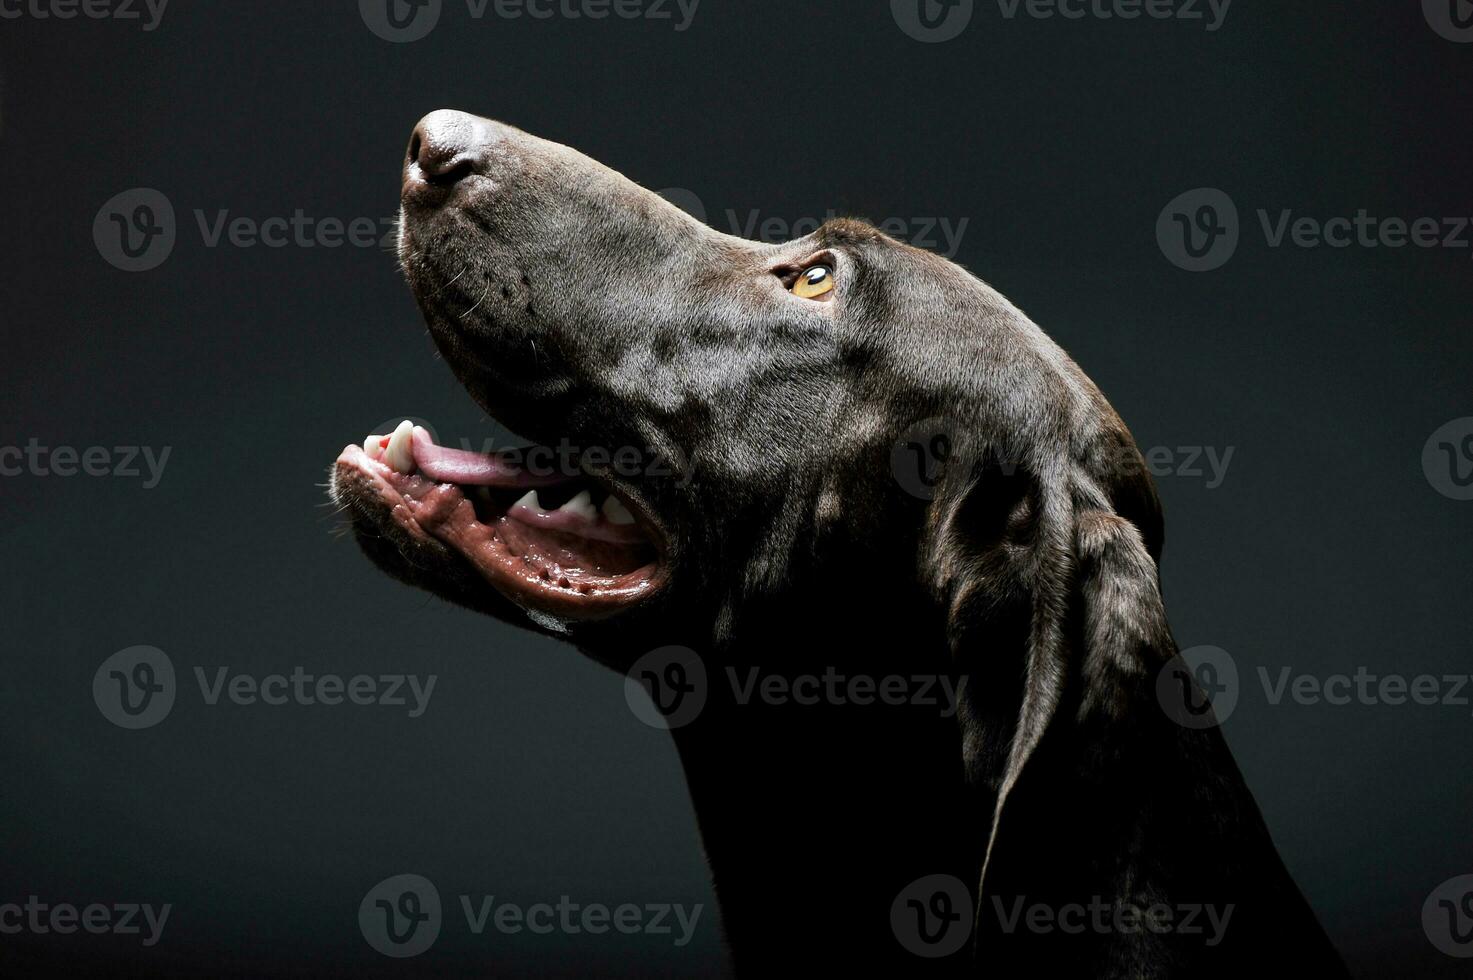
(476,469)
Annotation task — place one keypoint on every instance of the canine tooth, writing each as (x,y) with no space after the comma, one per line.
(372,444)
(582,505)
(616,512)
(398,454)
(529,499)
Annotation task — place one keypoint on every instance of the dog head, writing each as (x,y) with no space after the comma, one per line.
(715,418)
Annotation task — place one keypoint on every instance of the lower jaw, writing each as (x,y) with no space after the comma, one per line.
(541,571)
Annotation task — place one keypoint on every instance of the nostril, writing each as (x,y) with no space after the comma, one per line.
(445,148)
(456,171)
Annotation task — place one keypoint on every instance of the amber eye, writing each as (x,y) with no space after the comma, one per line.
(814,282)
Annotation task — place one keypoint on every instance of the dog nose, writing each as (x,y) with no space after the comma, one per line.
(446,147)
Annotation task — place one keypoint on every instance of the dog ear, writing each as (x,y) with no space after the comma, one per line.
(1054,618)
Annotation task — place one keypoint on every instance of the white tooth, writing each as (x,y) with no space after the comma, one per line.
(616,512)
(371,445)
(530,500)
(582,505)
(398,454)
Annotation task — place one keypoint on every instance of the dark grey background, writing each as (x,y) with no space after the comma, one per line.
(1325,548)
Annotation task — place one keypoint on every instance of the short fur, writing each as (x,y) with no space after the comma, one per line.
(572,303)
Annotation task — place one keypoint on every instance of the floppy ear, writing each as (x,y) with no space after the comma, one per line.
(1055,619)
(1087,788)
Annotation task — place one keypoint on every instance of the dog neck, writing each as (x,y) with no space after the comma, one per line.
(819,798)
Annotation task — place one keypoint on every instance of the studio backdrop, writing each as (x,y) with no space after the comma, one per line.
(225,737)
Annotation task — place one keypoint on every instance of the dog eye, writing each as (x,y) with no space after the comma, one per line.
(814,282)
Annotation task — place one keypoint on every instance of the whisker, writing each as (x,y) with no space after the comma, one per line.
(484,294)
(447,285)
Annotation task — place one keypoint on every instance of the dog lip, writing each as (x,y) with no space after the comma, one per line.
(526,564)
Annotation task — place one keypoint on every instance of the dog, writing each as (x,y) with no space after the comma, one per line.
(838,457)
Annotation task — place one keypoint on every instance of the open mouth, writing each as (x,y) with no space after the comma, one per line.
(567,544)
